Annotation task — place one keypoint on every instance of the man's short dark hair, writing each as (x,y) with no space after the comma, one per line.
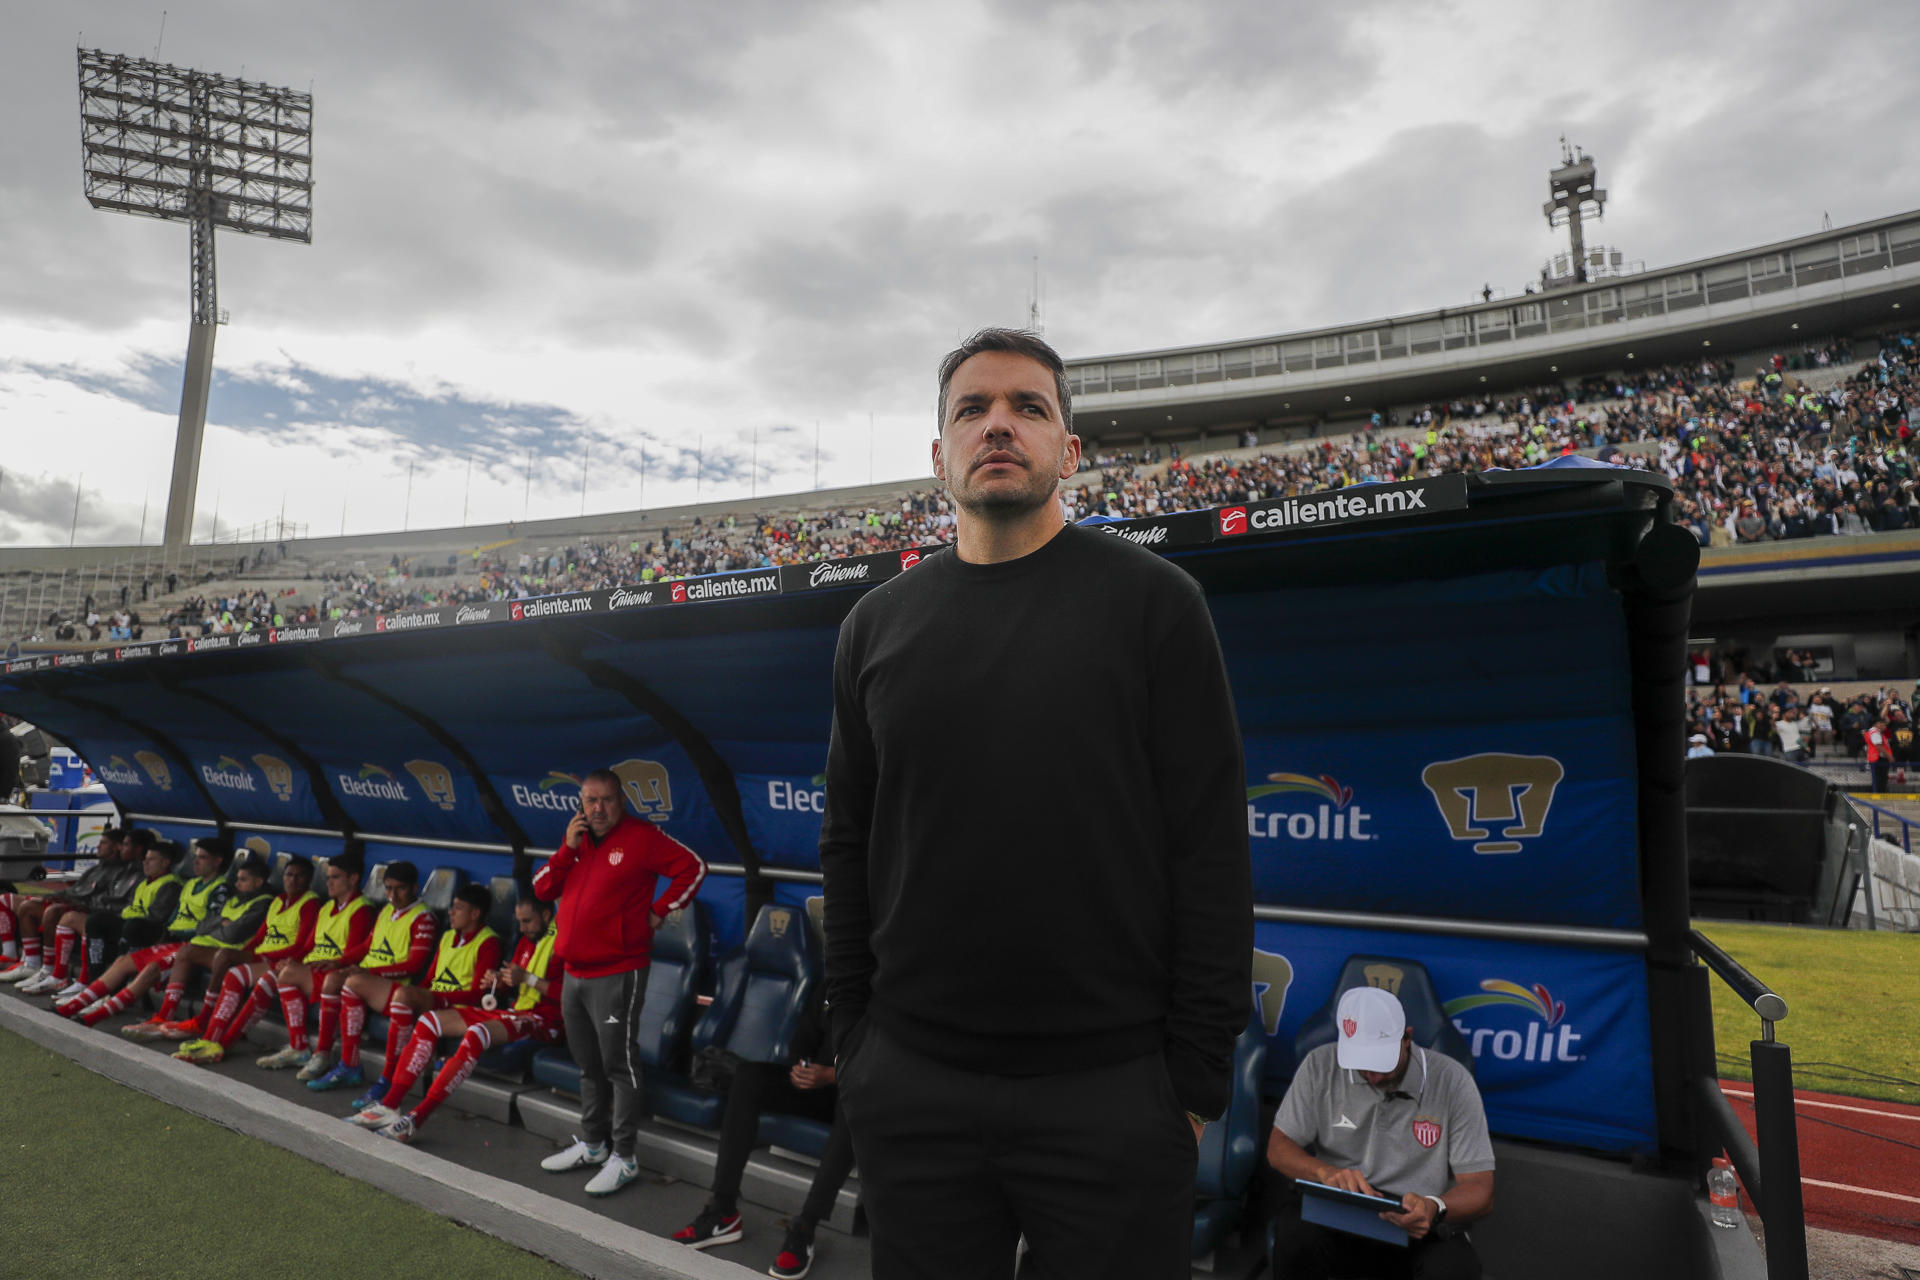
(300,860)
(143,838)
(220,849)
(607,776)
(1019,342)
(404,872)
(475,895)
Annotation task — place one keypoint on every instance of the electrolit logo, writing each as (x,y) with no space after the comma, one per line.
(1545,1037)
(784,795)
(1336,817)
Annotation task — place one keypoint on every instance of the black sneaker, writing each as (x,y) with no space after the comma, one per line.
(709,1229)
(796,1255)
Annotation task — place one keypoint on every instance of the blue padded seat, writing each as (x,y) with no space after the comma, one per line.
(276,876)
(506,896)
(1407,979)
(796,1133)
(1232,1147)
(669,1092)
(783,964)
(673,985)
(376,890)
(437,890)
(508,1061)
(556,1069)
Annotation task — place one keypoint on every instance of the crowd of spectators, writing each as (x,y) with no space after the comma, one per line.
(1747,718)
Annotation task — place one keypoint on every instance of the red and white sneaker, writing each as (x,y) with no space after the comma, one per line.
(185,1029)
(796,1254)
(148,1030)
(709,1229)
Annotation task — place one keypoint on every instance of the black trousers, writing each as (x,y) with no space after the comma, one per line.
(759,1087)
(1094,1168)
(1304,1251)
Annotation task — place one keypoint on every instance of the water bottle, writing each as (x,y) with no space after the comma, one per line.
(1723,1191)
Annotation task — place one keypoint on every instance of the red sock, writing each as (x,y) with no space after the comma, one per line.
(96,990)
(413,1059)
(251,1012)
(329,1021)
(9,932)
(228,1004)
(83,962)
(62,943)
(453,1075)
(170,1003)
(115,1003)
(293,1006)
(399,1027)
(353,1020)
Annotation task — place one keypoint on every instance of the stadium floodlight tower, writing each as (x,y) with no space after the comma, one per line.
(211,151)
(1575,199)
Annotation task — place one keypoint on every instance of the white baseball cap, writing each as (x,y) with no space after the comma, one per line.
(1369,1026)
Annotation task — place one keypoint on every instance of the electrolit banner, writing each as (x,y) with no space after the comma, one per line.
(1454,749)
(253,782)
(783,812)
(1558,1036)
(269,844)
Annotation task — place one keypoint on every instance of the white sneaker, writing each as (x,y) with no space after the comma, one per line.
(376,1116)
(40,985)
(317,1065)
(284,1058)
(582,1154)
(614,1174)
(69,991)
(21,972)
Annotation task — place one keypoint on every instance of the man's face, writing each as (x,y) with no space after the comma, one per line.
(400,893)
(463,916)
(295,880)
(248,880)
(527,916)
(205,864)
(1384,1080)
(600,801)
(155,864)
(341,884)
(1003,448)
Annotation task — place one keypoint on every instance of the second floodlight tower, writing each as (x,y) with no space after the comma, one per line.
(169,142)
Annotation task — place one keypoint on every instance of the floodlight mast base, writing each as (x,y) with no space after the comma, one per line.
(185,485)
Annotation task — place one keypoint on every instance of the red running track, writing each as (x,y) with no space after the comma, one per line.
(1859,1161)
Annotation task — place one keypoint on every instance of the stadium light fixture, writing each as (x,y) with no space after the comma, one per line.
(161,141)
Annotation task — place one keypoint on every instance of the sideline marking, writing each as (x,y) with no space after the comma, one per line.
(1859,1191)
(1831,1106)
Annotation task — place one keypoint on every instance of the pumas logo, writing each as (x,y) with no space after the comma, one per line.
(1233,521)
(1336,818)
(779,921)
(279,776)
(435,780)
(1547,1037)
(557,792)
(1272,979)
(647,790)
(259,845)
(1506,797)
(908,559)
(156,767)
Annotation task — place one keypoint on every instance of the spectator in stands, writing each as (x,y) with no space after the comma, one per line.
(1879,753)
(342,932)
(604,875)
(533,985)
(28,923)
(141,922)
(1791,731)
(69,926)
(249,985)
(403,937)
(806,1087)
(1698,747)
(468,955)
(942,747)
(127,979)
(1373,1110)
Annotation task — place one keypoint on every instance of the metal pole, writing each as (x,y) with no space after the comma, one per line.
(1778,1137)
(1863,850)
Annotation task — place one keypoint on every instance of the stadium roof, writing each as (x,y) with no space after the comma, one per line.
(1839,280)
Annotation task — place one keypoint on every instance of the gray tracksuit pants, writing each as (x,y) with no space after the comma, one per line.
(602,1015)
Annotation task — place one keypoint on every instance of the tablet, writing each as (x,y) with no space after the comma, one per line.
(1350,1211)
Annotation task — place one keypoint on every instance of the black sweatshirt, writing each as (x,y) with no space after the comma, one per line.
(1035,839)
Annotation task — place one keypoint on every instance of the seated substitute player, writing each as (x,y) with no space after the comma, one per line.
(67,954)
(28,921)
(221,943)
(141,923)
(404,933)
(534,1015)
(133,975)
(249,987)
(464,963)
(342,930)
(806,1088)
(1381,1112)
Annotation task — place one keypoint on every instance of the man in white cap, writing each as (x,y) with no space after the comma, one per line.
(1697,746)
(1375,1113)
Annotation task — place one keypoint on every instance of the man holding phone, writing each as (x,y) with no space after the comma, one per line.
(1380,1111)
(604,877)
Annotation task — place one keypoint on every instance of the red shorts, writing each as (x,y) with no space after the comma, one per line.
(161,954)
(521,1024)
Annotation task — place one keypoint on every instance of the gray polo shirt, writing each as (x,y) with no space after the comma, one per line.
(1419,1143)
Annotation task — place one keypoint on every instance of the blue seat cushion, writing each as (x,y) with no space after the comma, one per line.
(1211,1223)
(509,1061)
(556,1069)
(672,1096)
(795,1133)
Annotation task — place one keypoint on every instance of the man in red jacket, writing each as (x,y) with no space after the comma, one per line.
(605,876)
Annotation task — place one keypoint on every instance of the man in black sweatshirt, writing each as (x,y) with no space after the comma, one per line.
(1038,946)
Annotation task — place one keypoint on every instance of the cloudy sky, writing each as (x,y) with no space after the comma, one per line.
(628,240)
